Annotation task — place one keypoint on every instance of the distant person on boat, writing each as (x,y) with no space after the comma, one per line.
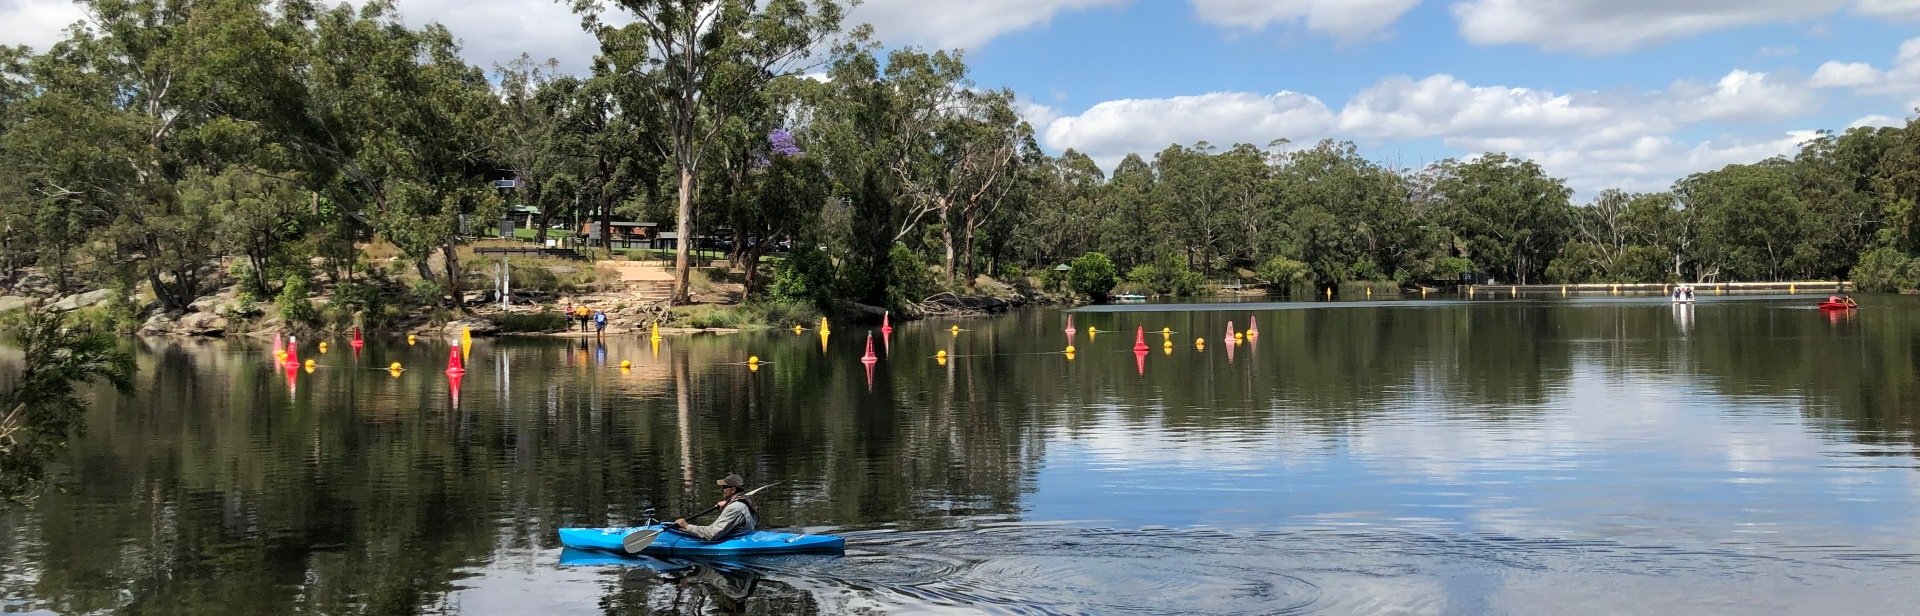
(737,515)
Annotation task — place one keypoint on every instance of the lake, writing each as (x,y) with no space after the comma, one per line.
(1613,455)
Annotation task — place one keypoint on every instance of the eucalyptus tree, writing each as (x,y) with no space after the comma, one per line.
(117,116)
(703,61)
(1195,193)
(529,139)
(390,120)
(1506,214)
(1752,223)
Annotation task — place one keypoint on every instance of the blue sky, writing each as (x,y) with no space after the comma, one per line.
(1604,93)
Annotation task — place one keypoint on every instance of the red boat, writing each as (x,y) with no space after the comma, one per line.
(1833,305)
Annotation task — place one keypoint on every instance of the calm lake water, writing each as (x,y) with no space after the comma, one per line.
(1747,455)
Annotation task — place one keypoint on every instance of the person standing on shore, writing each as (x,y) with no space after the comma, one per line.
(600,323)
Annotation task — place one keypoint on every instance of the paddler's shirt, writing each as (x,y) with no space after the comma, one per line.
(737,518)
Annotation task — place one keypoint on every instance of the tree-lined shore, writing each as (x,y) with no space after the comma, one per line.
(276,150)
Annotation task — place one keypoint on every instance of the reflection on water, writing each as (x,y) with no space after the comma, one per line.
(1447,457)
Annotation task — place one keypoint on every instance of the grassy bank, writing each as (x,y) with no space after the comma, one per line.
(746,316)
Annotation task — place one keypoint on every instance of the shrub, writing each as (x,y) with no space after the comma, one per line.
(292,303)
(1451,268)
(911,280)
(1885,270)
(806,277)
(542,321)
(1168,275)
(1092,275)
(1282,273)
(424,292)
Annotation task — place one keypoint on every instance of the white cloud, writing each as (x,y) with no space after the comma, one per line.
(1613,26)
(1110,130)
(1742,96)
(1877,121)
(498,31)
(36,23)
(1844,75)
(1442,105)
(960,24)
(1342,18)
(1594,139)
(1893,9)
(1036,114)
(1901,79)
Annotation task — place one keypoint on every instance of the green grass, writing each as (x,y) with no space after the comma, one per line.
(543,321)
(746,316)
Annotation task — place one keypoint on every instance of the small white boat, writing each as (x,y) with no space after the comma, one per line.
(1683,295)
(1130,298)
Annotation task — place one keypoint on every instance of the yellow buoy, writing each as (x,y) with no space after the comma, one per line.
(1469,292)
(395,373)
(1329,292)
(955,330)
(411,339)
(1239,337)
(1069,349)
(309,366)
(1563,290)
(395,366)
(625,364)
(753,359)
(1369,291)
(1166,331)
(797,329)
(1790,289)
(940,355)
(323,347)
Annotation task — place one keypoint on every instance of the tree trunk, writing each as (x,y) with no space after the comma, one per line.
(606,223)
(259,275)
(946,237)
(750,262)
(967,249)
(684,226)
(453,277)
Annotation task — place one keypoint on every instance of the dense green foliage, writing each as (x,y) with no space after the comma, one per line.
(39,409)
(173,148)
(1092,275)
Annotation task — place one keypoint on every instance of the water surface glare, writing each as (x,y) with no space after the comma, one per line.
(1450,457)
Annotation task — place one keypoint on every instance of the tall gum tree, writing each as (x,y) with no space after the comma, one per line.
(704,61)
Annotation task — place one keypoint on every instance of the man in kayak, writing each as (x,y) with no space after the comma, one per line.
(737,515)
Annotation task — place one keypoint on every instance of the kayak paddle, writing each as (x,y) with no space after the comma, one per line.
(639,540)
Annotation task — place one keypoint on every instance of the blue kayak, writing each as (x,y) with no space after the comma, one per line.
(675,544)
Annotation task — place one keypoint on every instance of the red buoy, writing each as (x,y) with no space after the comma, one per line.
(356,338)
(1070,329)
(1229,332)
(454,365)
(1253,326)
(1139,339)
(886,322)
(869,358)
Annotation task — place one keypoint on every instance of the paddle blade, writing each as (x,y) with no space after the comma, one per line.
(639,540)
